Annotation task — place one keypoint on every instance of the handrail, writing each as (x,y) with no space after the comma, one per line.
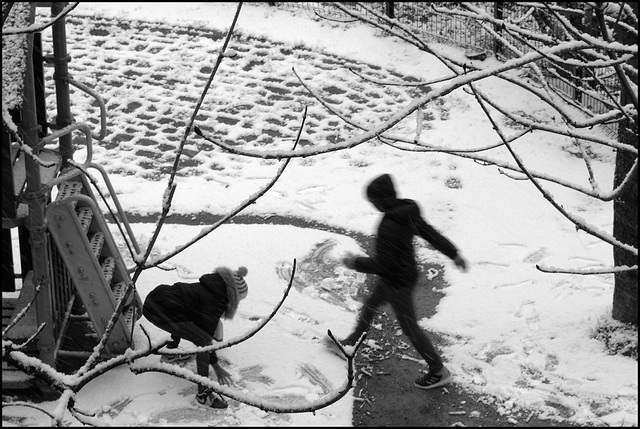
(87,164)
(94,285)
(114,197)
(103,109)
(64,131)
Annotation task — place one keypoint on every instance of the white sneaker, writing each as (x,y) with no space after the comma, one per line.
(175,358)
(432,380)
(210,400)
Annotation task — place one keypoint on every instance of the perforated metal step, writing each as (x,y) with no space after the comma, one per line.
(93,262)
(108,267)
(130,316)
(68,189)
(96,242)
(85,214)
(118,291)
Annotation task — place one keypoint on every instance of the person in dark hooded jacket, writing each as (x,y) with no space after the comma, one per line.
(394,263)
(192,311)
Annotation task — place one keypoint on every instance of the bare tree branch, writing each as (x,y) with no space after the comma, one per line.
(404,84)
(71,385)
(205,231)
(586,271)
(171,186)
(28,405)
(21,314)
(36,28)
(580,223)
(633,94)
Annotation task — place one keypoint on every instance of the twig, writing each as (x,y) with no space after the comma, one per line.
(346,21)
(580,224)
(111,324)
(36,28)
(23,311)
(586,271)
(205,231)
(405,84)
(171,186)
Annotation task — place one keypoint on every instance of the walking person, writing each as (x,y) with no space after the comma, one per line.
(395,265)
(192,311)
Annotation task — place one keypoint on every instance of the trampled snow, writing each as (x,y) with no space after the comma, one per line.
(517,335)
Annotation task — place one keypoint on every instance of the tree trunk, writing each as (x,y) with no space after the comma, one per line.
(625,214)
(625,229)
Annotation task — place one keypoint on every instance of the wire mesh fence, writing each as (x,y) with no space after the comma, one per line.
(596,93)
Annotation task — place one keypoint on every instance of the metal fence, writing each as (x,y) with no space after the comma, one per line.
(591,92)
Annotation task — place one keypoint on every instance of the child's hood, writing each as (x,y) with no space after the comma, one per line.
(210,280)
(381,188)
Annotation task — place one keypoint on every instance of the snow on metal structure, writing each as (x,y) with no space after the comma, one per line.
(74,283)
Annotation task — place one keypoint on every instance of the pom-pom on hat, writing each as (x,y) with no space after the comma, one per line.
(241,284)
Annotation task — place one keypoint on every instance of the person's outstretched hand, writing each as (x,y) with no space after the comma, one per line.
(223,375)
(461,263)
(349,260)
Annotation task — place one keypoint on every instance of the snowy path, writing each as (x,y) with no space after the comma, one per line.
(254,99)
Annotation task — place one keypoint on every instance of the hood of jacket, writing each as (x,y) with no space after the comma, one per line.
(223,276)
(381,192)
(210,280)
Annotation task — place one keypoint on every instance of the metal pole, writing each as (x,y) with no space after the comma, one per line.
(61,76)
(498,13)
(389,9)
(36,196)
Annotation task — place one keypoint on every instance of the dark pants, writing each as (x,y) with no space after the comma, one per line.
(178,326)
(401,299)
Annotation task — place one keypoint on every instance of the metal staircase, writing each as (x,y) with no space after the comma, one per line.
(91,259)
(88,279)
(74,279)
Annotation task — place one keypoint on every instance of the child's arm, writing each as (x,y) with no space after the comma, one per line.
(437,240)
(362,264)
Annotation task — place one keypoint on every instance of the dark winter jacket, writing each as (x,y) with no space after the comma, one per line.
(202,303)
(394,257)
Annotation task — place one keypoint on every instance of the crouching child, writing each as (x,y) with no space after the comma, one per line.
(193,311)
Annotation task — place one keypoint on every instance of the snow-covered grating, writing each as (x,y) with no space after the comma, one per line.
(96,242)
(108,266)
(68,189)
(85,214)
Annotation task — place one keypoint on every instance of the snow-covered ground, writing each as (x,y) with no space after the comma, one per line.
(517,335)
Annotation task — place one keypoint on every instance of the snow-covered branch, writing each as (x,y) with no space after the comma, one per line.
(403,84)
(243,205)
(579,222)
(488,161)
(171,187)
(36,28)
(21,314)
(633,94)
(251,332)
(71,384)
(585,271)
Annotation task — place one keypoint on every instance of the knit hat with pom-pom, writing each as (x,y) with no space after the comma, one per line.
(236,286)
(241,284)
